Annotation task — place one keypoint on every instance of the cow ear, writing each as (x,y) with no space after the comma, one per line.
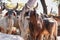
(6,14)
(36,6)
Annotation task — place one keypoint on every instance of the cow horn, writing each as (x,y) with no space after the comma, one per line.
(29,7)
(3,6)
(15,7)
(12,9)
(36,6)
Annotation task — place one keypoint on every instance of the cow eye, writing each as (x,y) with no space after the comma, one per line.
(6,14)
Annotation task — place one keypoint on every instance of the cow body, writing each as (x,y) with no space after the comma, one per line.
(3,24)
(34,26)
(41,28)
(9,17)
(51,26)
(6,21)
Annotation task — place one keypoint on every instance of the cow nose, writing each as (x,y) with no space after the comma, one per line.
(28,18)
(9,16)
(17,17)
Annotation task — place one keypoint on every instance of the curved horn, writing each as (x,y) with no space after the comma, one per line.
(36,6)
(29,7)
(12,9)
(15,7)
(3,6)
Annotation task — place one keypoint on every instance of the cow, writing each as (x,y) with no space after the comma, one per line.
(17,23)
(41,27)
(8,17)
(23,26)
(49,28)
(34,27)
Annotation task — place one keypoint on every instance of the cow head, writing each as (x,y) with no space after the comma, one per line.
(30,11)
(10,14)
(10,11)
(18,12)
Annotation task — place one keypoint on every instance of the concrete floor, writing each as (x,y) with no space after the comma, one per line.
(13,37)
(58,37)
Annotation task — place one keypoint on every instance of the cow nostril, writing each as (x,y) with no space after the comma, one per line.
(17,17)
(28,18)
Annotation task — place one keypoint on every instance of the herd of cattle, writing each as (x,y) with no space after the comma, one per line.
(33,27)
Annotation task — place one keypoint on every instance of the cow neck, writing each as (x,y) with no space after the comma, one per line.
(33,19)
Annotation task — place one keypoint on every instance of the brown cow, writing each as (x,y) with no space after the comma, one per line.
(50,28)
(43,27)
(34,25)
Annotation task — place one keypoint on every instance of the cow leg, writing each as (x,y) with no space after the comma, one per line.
(34,37)
(52,31)
(21,28)
(29,37)
(3,30)
(46,34)
(55,36)
(19,25)
(47,37)
(40,37)
(51,36)
(55,32)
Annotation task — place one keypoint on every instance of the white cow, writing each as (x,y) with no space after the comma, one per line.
(5,22)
